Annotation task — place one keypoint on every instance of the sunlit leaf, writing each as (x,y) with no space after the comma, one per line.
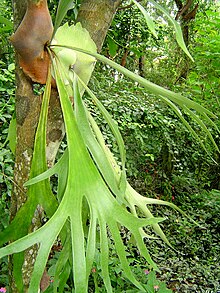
(112,46)
(7,24)
(177,28)
(81,64)
(149,20)
(167,95)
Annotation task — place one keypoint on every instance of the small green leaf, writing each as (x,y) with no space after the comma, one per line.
(12,135)
(11,67)
(112,46)
(7,24)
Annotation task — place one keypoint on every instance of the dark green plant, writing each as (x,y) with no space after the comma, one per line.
(195,267)
(6,28)
(6,157)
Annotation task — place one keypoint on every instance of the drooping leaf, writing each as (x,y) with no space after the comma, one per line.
(177,28)
(25,214)
(149,20)
(97,204)
(84,182)
(42,190)
(37,194)
(95,151)
(167,95)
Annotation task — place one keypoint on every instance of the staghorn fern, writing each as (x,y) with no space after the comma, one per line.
(90,183)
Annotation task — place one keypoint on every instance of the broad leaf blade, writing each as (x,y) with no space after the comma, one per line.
(116,133)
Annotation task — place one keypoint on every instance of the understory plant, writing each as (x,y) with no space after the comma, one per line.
(93,199)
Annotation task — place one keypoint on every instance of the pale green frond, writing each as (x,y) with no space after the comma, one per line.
(177,28)
(159,92)
(149,20)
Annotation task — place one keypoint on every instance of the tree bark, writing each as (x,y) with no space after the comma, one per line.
(27,106)
(96,16)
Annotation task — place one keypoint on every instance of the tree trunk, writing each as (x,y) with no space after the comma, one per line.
(96,17)
(186,13)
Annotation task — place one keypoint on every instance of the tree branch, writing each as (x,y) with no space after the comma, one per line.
(128,6)
(183,9)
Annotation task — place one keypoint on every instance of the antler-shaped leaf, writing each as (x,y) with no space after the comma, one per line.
(84,182)
(87,188)
(172,99)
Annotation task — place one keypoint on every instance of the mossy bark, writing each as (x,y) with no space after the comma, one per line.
(96,17)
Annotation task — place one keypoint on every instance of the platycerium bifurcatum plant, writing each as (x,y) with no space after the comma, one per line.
(94,198)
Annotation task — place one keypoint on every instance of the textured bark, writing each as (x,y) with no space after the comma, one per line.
(27,114)
(96,17)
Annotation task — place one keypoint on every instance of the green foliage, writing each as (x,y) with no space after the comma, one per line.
(128,37)
(7,90)
(203,81)
(62,9)
(105,210)
(7,24)
(150,283)
(6,28)
(149,21)
(177,28)
(6,111)
(104,206)
(155,139)
(190,167)
(200,115)
(195,267)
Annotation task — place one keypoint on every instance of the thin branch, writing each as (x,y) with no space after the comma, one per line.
(127,6)
(184,8)
(191,14)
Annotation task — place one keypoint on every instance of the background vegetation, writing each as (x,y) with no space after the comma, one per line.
(163,160)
